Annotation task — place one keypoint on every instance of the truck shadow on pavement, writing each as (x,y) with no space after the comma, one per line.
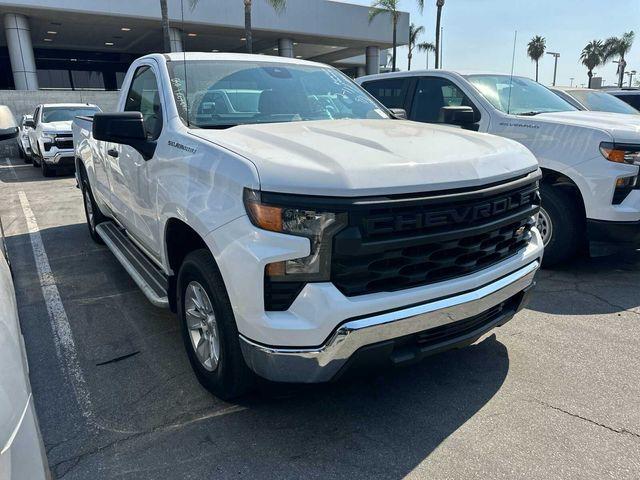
(590,286)
(151,417)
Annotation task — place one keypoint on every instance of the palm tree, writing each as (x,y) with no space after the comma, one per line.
(166,39)
(592,56)
(390,7)
(439,4)
(414,33)
(278,6)
(427,47)
(618,47)
(535,50)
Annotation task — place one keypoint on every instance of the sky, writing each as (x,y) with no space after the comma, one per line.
(478,34)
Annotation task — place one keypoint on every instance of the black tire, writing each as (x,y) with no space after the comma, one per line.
(567,237)
(26,158)
(87,198)
(47,171)
(232,377)
(34,161)
(21,153)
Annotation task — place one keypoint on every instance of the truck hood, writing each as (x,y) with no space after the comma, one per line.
(370,157)
(622,127)
(57,127)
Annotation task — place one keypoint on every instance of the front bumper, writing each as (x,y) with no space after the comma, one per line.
(623,233)
(325,362)
(60,158)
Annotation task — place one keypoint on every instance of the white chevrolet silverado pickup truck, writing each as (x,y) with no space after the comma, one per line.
(50,135)
(296,226)
(589,160)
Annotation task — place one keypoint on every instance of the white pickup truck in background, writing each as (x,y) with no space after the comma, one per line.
(296,226)
(589,160)
(50,135)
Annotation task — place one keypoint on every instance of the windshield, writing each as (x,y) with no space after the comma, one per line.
(223,94)
(64,114)
(601,102)
(525,97)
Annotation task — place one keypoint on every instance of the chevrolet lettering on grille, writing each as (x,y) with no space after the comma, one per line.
(384,224)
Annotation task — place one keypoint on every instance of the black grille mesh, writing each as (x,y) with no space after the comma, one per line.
(370,259)
(399,268)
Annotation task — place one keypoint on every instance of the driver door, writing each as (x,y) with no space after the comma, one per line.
(131,189)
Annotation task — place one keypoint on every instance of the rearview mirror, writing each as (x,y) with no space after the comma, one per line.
(8,125)
(461,116)
(399,113)
(126,128)
(29,123)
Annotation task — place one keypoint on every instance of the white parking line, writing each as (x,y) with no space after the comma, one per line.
(63,338)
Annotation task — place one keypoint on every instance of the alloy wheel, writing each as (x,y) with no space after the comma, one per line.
(202,326)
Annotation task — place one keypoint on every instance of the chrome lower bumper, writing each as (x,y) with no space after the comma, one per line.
(321,364)
(56,158)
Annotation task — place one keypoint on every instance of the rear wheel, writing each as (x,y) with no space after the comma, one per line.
(92,212)
(561,225)
(34,161)
(209,328)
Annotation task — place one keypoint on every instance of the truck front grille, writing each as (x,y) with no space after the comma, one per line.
(411,242)
(64,141)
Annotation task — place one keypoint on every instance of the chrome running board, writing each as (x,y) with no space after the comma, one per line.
(145,274)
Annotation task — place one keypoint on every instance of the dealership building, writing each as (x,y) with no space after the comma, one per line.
(89,44)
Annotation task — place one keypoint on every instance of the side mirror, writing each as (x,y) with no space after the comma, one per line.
(29,123)
(8,125)
(461,116)
(399,113)
(126,128)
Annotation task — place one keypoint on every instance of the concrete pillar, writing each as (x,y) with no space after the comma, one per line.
(23,63)
(361,72)
(285,47)
(175,36)
(373,60)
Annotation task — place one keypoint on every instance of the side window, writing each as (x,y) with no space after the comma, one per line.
(433,93)
(390,92)
(144,97)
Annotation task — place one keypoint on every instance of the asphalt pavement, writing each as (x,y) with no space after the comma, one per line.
(555,393)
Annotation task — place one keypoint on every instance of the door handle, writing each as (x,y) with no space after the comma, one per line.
(112,152)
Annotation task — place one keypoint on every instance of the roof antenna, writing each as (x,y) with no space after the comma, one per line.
(184,62)
(513,61)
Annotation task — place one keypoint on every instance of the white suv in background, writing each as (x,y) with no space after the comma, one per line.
(51,138)
(589,160)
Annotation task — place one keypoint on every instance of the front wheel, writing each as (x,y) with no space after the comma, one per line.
(209,328)
(47,171)
(561,225)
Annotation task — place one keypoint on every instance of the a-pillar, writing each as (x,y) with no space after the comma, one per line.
(373,60)
(23,63)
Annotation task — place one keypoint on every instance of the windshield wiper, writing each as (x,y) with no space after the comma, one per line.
(529,114)
(221,126)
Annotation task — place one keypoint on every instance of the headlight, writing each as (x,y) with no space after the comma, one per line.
(316,225)
(48,136)
(621,153)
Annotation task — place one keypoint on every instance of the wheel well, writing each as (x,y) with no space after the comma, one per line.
(558,180)
(180,240)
